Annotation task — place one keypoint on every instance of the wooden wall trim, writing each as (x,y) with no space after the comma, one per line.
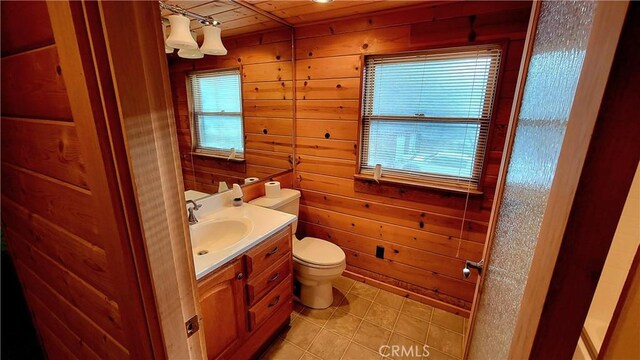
(607,22)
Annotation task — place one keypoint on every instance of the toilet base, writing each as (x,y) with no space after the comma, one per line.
(318,296)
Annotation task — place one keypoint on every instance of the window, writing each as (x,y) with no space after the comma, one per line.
(216,108)
(426,116)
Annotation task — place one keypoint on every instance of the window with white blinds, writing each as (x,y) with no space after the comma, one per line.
(216,106)
(426,116)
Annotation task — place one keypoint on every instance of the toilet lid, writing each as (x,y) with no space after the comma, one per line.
(317,252)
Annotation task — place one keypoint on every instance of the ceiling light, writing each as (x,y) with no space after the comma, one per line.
(212,44)
(180,36)
(191,53)
(323,1)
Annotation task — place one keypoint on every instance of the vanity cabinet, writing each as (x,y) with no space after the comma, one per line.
(246,302)
(223,310)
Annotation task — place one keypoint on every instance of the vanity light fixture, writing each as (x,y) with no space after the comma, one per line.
(212,44)
(191,53)
(167,49)
(180,38)
(180,35)
(322,1)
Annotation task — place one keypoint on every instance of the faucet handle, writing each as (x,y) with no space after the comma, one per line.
(196,206)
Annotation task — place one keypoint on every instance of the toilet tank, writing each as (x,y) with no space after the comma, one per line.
(288,202)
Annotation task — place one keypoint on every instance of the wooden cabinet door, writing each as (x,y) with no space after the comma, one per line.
(222,308)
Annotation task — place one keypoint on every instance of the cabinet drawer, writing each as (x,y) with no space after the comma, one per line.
(262,283)
(261,311)
(268,253)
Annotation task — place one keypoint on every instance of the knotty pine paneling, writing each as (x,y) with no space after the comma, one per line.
(87,299)
(336,167)
(427,234)
(336,109)
(268,90)
(49,213)
(44,95)
(336,67)
(52,199)
(433,242)
(79,256)
(429,201)
(56,154)
(271,71)
(347,88)
(67,342)
(327,129)
(101,342)
(266,125)
(328,148)
(266,69)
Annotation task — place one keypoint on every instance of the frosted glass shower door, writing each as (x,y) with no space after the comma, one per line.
(559,48)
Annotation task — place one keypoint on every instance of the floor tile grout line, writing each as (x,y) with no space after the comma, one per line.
(429,328)
(393,329)
(363,320)
(325,323)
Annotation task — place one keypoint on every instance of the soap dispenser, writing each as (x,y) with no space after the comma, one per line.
(237,195)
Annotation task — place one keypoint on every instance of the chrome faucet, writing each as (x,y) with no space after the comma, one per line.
(190,211)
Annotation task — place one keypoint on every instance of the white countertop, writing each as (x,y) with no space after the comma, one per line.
(266,222)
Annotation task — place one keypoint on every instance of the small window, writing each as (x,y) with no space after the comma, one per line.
(216,107)
(426,116)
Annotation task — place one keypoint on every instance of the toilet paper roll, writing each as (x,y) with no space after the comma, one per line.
(272,189)
(250,180)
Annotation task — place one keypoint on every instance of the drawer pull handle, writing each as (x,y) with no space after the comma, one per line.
(275,277)
(240,276)
(274,301)
(275,250)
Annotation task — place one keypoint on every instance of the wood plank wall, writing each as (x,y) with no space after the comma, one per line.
(50,216)
(265,62)
(426,234)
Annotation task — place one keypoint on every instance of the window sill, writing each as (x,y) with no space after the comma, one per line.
(418,184)
(221,157)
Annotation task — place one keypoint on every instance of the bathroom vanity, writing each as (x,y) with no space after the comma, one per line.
(246,301)
(244,272)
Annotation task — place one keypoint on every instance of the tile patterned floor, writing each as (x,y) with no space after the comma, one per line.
(363,318)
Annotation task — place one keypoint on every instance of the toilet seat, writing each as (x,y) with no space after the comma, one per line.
(317,253)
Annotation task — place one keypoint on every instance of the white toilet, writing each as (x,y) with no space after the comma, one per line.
(316,262)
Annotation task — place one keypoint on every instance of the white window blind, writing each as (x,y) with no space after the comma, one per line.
(426,116)
(216,107)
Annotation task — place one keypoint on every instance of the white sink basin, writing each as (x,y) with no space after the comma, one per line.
(217,235)
(225,232)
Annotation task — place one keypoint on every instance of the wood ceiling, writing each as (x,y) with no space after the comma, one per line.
(238,19)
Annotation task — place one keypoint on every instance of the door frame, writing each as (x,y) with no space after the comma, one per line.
(117,76)
(603,40)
